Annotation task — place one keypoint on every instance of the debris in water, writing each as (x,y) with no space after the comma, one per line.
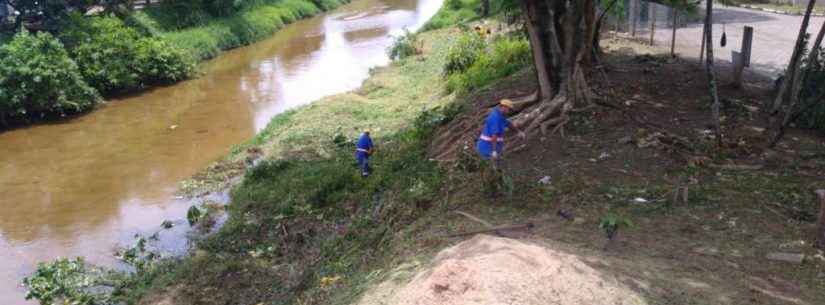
(167,224)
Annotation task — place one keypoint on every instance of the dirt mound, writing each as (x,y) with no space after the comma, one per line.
(493,270)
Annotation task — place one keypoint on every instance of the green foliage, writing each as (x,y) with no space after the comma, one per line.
(464,53)
(64,281)
(37,78)
(194,215)
(186,13)
(453,4)
(457,12)
(812,107)
(138,256)
(114,57)
(404,46)
(508,56)
(611,223)
(212,35)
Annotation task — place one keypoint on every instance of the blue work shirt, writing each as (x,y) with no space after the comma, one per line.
(495,125)
(364,145)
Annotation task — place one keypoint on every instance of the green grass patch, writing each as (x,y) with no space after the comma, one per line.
(213,35)
(504,57)
(452,13)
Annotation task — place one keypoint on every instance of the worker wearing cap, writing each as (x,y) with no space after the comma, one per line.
(363,150)
(491,141)
(491,144)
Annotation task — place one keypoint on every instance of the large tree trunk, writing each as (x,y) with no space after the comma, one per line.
(595,38)
(796,90)
(590,29)
(820,228)
(560,42)
(793,65)
(711,73)
(539,46)
(485,8)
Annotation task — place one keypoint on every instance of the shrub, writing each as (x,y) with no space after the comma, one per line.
(404,46)
(37,78)
(114,57)
(462,54)
(508,56)
(454,12)
(159,62)
(812,108)
(207,40)
(453,4)
(65,281)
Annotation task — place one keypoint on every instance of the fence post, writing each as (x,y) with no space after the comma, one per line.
(820,229)
(742,59)
(652,21)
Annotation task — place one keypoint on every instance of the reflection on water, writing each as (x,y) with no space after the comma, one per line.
(81,187)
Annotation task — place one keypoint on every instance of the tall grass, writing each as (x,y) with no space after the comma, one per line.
(505,57)
(453,12)
(213,35)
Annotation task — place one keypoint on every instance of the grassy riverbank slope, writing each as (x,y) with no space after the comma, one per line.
(695,226)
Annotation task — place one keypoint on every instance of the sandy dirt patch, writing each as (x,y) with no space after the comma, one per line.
(494,270)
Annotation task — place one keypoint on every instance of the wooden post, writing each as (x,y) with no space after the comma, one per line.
(742,59)
(820,228)
(673,38)
(652,21)
(634,14)
(702,49)
(747,45)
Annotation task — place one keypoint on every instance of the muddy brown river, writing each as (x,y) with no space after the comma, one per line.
(86,186)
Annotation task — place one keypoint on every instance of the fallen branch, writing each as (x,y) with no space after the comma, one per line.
(474,218)
(820,243)
(496,230)
(736,167)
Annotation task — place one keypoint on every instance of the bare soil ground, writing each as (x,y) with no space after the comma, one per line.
(707,247)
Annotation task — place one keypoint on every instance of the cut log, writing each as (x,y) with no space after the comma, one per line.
(820,228)
(793,258)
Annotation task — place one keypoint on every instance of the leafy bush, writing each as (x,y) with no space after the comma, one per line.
(37,78)
(210,38)
(611,223)
(404,46)
(64,281)
(114,57)
(462,54)
(508,56)
(811,106)
(453,4)
(455,12)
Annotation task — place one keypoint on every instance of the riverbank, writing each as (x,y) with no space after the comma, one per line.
(104,56)
(695,226)
(340,240)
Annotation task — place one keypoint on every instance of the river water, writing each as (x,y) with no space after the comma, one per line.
(85,186)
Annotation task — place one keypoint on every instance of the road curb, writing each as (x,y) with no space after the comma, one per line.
(779,12)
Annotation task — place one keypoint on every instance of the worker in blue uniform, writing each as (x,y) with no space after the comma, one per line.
(490,143)
(363,150)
